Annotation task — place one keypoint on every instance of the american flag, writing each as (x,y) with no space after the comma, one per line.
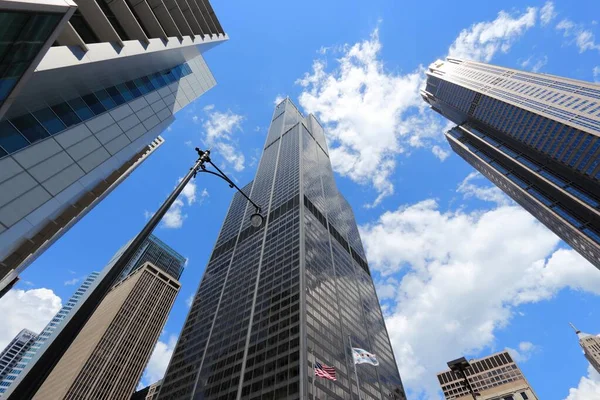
(323,371)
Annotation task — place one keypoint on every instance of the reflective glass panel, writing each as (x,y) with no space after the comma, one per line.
(81,108)
(105,99)
(115,95)
(10,139)
(66,114)
(30,128)
(49,120)
(93,103)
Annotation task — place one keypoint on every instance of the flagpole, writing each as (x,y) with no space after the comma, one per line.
(353,362)
(314,376)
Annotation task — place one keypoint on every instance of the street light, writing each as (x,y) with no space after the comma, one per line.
(460,365)
(32,378)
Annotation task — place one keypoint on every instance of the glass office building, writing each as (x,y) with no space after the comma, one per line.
(158,253)
(83,101)
(11,355)
(47,332)
(535,136)
(275,298)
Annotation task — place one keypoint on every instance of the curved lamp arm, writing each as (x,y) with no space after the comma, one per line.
(256,218)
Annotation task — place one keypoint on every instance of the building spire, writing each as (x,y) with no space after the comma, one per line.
(577,331)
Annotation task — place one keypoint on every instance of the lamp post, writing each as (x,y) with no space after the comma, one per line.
(32,378)
(460,365)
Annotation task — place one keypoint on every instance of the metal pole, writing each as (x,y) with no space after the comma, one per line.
(468,384)
(314,377)
(34,376)
(355,372)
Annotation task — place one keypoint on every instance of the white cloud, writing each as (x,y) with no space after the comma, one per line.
(189,300)
(488,193)
(208,107)
(547,13)
(535,63)
(462,276)
(584,39)
(71,282)
(524,353)
(365,110)
(372,115)
(596,72)
(175,215)
(159,360)
(484,39)
(26,309)
(219,128)
(440,153)
(195,119)
(588,388)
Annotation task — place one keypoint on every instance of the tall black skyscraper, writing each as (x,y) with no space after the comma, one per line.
(273,298)
(534,135)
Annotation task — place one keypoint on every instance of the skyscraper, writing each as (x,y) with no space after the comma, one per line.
(92,112)
(15,349)
(137,305)
(591,347)
(495,377)
(47,332)
(108,357)
(276,298)
(533,135)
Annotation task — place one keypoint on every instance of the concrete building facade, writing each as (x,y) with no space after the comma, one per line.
(107,358)
(535,136)
(495,377)
(92,111)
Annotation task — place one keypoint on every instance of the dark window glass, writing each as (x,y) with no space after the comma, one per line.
(127,95)
(83,28)
(592,234)
(10,139)
(49,120)
(141,86)
(148,84)
(105,99)
(567,215)
(81,108)
(113,20)
(93,103)
(2,152)
(157,80)
(524,396)
(168,76)
(23,34)
(538,195)
(66,114)
(30,128)
(133,88)
(115,95)
(582,196)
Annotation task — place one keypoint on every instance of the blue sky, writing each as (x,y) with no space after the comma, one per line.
(460,269)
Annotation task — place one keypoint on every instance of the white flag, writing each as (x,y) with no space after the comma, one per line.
(362,356)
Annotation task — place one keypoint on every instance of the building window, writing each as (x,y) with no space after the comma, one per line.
(23,35)
(82,28)
(524,396)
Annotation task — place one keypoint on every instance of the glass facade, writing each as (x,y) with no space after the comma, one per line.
(535,136)
(273,298)
(19,132)
(47,332)
(22,36)
(158,253)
